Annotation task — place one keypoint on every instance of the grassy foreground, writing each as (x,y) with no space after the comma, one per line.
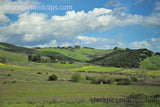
(22,86)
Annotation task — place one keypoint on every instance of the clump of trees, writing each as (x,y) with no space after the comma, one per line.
(34,58)
(157,53)
(53,77)
(77,47)
(71,62)
(45,59)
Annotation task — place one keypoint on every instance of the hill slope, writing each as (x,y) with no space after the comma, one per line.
(123,58)
(82,54)
(113,58)
(15,49)
(151,63)
(14,53)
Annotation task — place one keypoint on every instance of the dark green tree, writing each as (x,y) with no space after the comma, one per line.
(52,77)
(30,57)
(77,47)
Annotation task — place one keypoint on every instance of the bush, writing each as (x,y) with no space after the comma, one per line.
(107,81)
(63,62)
(8,74)
(134,79)
(52,77)
(124,81)
(76,77)
(102,79)
(39,72)
(96,80)
(14,81)
(71,62)
(89,77)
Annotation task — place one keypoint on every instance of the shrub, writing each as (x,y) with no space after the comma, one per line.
(14,81)
(39,72)
(134,79)
(96,80)
(89,77)
(71,62)
(124,81)
(8,74)
(107,81)
(52,77)
(102,79)
(63,62)
(76,77)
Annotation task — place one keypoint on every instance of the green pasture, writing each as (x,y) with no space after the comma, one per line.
(26,87)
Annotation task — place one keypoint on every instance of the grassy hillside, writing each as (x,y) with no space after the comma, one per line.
(82,54)
(15,49)
(13,58)
(152,63)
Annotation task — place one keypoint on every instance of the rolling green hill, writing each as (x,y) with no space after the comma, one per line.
(15,54)
(112,58)
(82,54)
(151,63)
(15,49)
(123,58)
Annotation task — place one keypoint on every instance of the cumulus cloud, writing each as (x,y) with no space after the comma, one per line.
(153,20)
(142,44)
(152,44)
(36,28)
(97,42)
(32,27)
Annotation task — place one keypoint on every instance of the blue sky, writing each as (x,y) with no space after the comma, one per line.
(102,24)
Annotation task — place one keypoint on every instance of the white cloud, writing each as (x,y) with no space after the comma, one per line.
(142,44)
(35,28)
(101,43)
(155,42)
(152,44)
(153,20)
(86,39)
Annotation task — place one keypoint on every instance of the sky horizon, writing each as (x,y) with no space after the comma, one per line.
(101,24)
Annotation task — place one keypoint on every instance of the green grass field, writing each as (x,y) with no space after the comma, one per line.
(25,87)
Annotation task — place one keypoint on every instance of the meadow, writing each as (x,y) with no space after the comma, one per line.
(29,86)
